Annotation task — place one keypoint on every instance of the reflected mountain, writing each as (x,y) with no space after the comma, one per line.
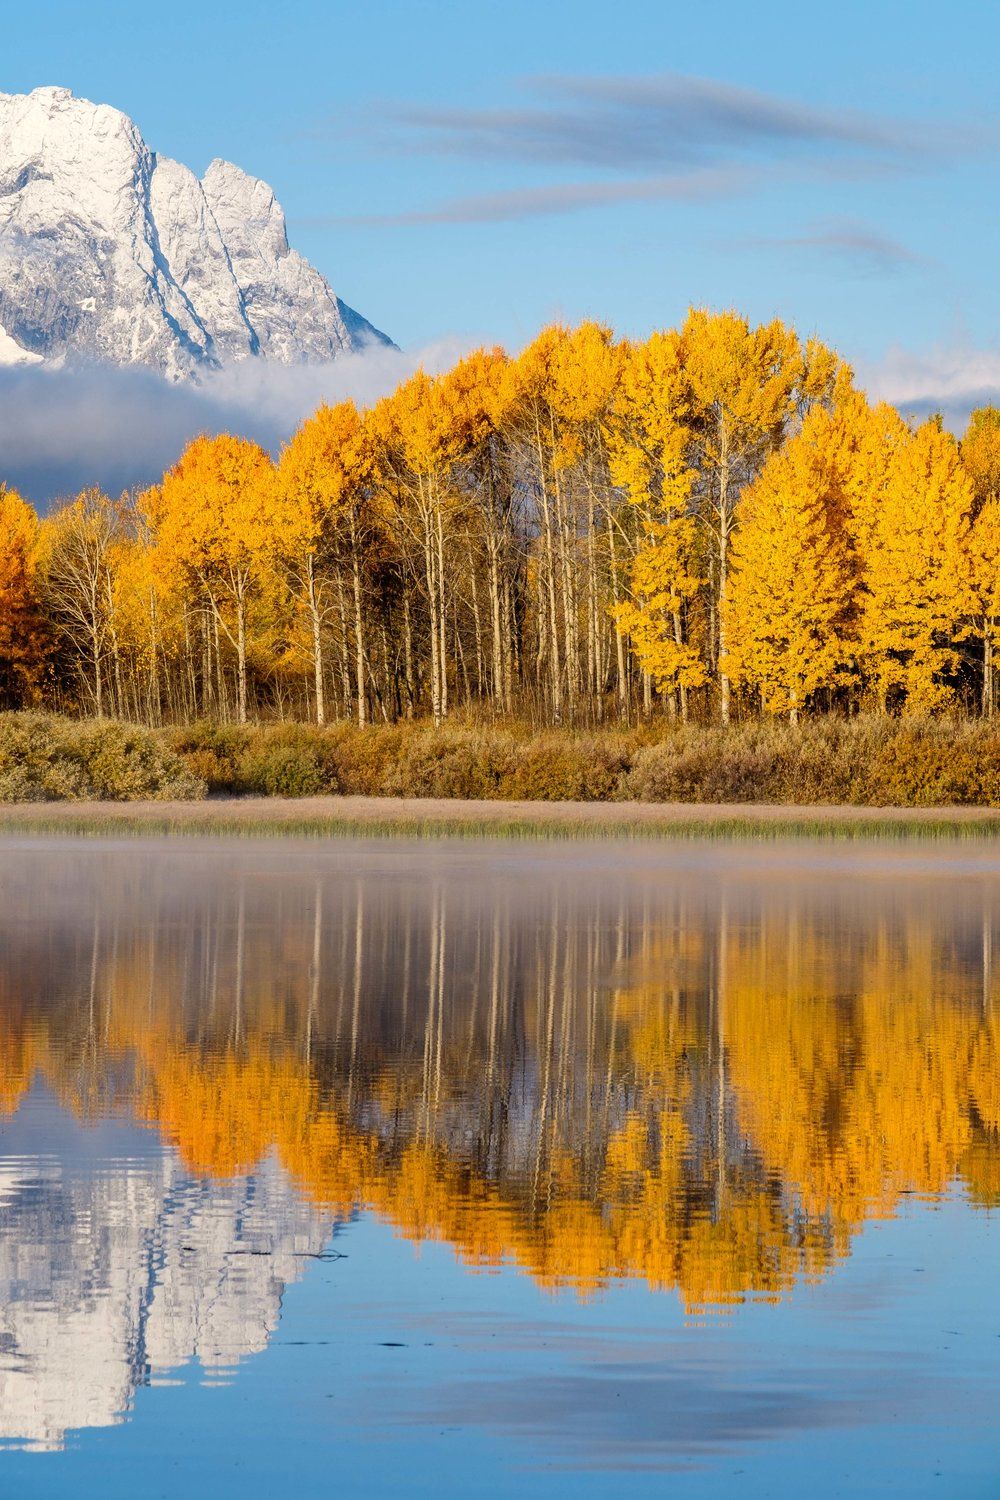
(117,1270)
(695,1070)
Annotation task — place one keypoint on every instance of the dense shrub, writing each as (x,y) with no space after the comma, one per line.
(559,767)
(450,763)
(866,761)
(874,761)
(46,758)
(413,760)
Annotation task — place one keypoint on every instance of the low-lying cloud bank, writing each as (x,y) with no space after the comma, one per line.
(952,381)
(64,429)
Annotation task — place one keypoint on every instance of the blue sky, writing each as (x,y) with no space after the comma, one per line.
(476,169)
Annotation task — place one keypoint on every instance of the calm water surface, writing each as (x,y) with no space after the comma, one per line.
(487,1169)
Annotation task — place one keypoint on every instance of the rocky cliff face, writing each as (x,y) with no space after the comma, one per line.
(110,252)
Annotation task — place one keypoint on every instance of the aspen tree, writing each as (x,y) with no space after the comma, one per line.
(77,550)
(872,436)
(532,427)
(215,519)
(648,445)
(24,643)
(474,392)
(982,578)
(418,441)
(325,475)
(980,452)
(662,579)
(792,581)
(914,591)
(584,379)
(745,387)
(980,449)
(140,592)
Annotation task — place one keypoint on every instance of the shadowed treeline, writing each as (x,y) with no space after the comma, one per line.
(705,1079)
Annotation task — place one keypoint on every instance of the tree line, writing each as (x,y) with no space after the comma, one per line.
(711,522)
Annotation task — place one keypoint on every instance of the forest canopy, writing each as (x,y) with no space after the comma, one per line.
(711,523)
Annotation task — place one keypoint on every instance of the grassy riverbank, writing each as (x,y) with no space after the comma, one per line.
(858,763)
(330,817)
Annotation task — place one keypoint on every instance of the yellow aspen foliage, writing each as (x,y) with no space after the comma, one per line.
(324,483)
(745,386)
(663,579)
(982,578)
(421,432)
(23,636)
(981,453)
(322,470)
(471,397)
(215,519)
(552,536)
(980,450)
(791,585)
(647,437)
(914,587)
(871,436)
(584,375)
(647,445)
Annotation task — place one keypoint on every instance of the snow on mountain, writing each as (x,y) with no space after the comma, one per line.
(110,252)
(121,1275)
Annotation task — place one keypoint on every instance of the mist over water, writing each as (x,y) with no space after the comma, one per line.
(600,1159)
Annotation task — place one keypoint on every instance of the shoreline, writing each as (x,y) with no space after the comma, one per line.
(347,816)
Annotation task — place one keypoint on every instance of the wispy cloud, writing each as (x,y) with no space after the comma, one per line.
(635,139)
(567,197)
(850,244)
(658,123)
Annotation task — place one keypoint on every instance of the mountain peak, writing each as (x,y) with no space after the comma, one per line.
(111,252)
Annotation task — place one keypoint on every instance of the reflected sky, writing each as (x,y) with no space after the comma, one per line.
(465,1166)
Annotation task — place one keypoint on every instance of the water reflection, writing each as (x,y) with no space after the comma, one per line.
(700,1070)
(117,1271)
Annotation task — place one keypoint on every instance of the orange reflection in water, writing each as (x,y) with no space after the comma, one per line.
(710,1090)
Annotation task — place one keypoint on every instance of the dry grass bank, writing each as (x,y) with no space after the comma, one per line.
(864,762)
(327,817)
(860,763)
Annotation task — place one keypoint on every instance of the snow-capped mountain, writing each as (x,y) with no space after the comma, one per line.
(111,252)
(116,1273)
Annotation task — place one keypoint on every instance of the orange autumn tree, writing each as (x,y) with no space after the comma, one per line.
(745,388)
(648,445)
(325,475)
(143,605)
(532,389)
(23,636)
(474,393)
(980,453)
(493,520)
(583,384)
(214,516)
(914,594)
(421,432)
(788,612)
